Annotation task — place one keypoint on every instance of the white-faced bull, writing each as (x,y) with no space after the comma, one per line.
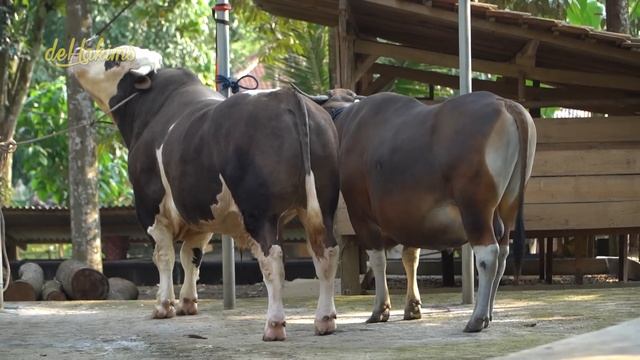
(433,177)
(200,164)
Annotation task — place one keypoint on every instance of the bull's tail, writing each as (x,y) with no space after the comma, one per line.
(313,221)
(520,116)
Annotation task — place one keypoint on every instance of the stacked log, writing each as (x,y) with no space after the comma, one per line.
(80,282)
(52,291)
(29,284)
(122,289)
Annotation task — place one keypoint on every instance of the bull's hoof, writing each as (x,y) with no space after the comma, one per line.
(380,315)
(326,325)
(274,331)
(165,310)
(187,307)
(476,324)
(412,311)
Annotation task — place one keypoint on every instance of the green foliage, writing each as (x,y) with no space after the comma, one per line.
(308,67)
(634,17)
(585,12)
(43,166)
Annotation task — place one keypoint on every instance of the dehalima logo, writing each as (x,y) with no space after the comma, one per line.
(62,57)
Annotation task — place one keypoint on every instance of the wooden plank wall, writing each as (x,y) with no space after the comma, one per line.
(586,175)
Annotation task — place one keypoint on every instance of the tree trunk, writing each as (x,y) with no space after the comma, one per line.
(14,89)
(80,282)
(29,284)
(52,291)
(122,289)
(83,164)
(617,16)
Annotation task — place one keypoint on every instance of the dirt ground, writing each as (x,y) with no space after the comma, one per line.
(124,329)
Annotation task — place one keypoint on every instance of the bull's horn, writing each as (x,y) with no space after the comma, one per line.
(142,70)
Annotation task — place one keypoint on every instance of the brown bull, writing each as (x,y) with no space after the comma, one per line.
(433,177)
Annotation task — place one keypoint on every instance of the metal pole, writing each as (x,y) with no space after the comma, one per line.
(464,39)
(221,11)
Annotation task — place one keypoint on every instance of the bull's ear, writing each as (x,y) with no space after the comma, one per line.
(142,82)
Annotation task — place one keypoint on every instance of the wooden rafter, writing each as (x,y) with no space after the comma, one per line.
(500,68)
(578,44)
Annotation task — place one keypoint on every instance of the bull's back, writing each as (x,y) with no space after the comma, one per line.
(400,160)
(252,144)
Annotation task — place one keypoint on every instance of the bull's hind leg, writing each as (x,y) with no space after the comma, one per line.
(410,260)
(382,303)
(502,263)
(326,268)
(326,265)
(270,259)
(507,217)
(163,256)
(479,228)
(191,255)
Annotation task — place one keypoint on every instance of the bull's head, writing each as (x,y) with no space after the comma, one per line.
(100,71)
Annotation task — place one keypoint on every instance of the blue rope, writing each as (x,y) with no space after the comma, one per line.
(234,85)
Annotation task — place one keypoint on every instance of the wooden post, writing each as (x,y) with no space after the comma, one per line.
(349,265)
(623,254)
(548,272)
(581,252)
(540,242)
(345,54)
(80,282)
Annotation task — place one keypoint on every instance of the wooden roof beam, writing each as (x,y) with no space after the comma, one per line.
(440,15)
(507,69)
(363,65)
(527,55)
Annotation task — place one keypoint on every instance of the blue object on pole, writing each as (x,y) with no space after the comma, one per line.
(234,85)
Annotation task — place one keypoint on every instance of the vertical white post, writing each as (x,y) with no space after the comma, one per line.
(221,15)
(464,39)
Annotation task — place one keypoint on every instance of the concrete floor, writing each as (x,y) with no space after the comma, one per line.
(124,329)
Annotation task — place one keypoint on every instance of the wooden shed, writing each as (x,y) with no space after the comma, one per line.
(586,177)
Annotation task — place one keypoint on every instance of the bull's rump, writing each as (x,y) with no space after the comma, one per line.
(406,168)
(252,143)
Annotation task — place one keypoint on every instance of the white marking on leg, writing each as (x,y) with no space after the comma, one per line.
(163,257)
(502,263)
(382,303)
(326,268)
(487,265)
(410,261)
(189,292)
(272,269)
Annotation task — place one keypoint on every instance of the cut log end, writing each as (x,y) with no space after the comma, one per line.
(80,282)
(89,284)
(52,291)
(20,291)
